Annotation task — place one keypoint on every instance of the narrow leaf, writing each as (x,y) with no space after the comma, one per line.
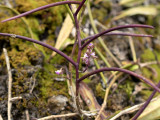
(130,3)
(141,10)
(89,98)
(64,33)
(152,112)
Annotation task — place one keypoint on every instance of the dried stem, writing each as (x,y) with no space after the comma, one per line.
(27,115)
(15,98)
(9,83)
(132,49)
(58,116)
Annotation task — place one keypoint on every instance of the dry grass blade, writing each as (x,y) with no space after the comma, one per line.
(132,47)
(64,33)
(131,2)
(147,10)
(90,100)
(131,109)
(152,112)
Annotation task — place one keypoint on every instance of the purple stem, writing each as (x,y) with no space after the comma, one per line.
(40,43)
(79,51)
(145,104)
(70,7)
(119,33)
(41,8)
(79,43)
(78,32)
(113,29)
(121,70)
(79,7)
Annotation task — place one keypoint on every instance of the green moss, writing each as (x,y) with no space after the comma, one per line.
(149,55)
(128,88)
(86,80)
(48,86)
(26,5)
(151,71)
(22,58)
(36,27)
(17,59)
(99,91)
(101,12)
(20,81)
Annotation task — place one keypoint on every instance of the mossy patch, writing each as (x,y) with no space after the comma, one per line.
(127,87)
(99,91)
(48,86)
(151,71)
(101,12)
(149,55)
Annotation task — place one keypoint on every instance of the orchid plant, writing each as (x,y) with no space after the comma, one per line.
(88,44)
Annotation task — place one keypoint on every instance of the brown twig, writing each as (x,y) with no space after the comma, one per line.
(58,116)
(9,83)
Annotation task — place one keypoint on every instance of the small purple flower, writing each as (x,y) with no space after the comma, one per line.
(85,58)
(58,72)
(93,55)
(90,46)
(85,55)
